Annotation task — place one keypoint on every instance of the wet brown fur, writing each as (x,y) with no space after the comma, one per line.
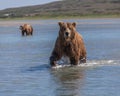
(26,29)
(73,47)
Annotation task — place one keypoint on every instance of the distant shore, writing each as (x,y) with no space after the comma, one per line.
(19,21)
(62,17)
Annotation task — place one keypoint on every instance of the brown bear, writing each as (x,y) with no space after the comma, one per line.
(69,43)
(26,29)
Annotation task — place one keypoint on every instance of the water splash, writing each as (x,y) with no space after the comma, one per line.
(91,63)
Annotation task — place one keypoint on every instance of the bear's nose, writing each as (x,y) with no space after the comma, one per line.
(66,33)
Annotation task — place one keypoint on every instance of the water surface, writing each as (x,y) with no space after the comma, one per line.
(24,65)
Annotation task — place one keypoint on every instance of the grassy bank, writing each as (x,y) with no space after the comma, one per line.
(62,17)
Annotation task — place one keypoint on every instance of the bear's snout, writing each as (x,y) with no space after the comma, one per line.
(67,33)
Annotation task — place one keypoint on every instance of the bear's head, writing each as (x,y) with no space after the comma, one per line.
(67,30)
(21,28)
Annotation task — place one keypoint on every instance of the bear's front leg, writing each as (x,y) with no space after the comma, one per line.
(74,61)
(54,58)
(23,33)
(53,61)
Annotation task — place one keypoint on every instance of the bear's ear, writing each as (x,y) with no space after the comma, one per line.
(60,24)
(74,24)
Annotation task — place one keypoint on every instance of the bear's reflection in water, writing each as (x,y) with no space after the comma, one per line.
(69,81)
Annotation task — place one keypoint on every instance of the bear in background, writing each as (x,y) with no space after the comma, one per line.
(26,29)
(69,43)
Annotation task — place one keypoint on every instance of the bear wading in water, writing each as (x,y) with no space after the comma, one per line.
(26,29)
(69,43)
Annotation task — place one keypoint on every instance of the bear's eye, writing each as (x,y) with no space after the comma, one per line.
(70,28)
(64,28)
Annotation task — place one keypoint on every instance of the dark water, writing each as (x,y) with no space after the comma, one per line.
(24,67)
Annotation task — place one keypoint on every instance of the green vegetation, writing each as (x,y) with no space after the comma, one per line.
(61,17)
(66,9)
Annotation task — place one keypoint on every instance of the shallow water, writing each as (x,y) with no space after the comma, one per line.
(24,65)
